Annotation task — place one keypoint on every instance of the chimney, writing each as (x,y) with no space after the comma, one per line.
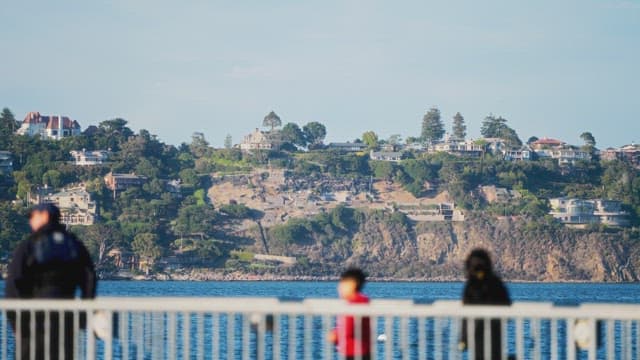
(61,127)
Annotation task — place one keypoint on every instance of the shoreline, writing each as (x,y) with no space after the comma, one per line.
(281,278)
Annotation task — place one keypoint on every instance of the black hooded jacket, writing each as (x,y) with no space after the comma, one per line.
(51,264)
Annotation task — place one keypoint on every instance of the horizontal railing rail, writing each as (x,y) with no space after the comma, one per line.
(268,328)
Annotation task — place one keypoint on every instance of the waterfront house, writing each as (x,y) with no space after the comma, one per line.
(52,127)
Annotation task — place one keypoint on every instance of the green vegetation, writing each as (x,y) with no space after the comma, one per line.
(154,221)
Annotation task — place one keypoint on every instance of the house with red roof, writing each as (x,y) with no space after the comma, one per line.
(54,127)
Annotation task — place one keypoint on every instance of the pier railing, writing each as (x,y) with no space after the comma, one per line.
(266,328)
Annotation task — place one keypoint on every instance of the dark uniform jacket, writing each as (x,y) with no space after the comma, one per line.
(488,291)
(51,264)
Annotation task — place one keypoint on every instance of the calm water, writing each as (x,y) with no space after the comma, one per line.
(427,292)
(564,294)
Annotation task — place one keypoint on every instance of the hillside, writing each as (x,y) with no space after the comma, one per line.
(390,246)
(284,203)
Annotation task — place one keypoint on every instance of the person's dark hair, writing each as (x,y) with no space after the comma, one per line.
(51,209)
(355,274)
(478,261)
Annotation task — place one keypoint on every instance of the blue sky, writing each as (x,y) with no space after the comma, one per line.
(552,68)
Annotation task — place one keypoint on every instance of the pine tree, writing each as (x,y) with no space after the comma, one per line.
(272,120)
(228,142)
(459,127)
(432,126)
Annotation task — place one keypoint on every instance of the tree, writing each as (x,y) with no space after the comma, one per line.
(496,127)
(117,127)
(199,145)
(272,120)
(459,127)
(315,133)
(291,133)
(100,239)
(395,139)
(145,245)
(532,140)
(228,142)
(52,178)
(8,125)
(371,139)
(432,126)
(589,139)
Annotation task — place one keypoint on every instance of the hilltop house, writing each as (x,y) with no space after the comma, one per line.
(348,146)
(260,140)
(579,212)
(558,150)
(565,154)
(119,182)
(523,154)
(48,126)
(546,143)
(394,156)
(89,158)
(628,153)
(6,162)
(455,146)
(75,203)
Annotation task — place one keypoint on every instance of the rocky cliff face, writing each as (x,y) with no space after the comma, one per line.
(526,251)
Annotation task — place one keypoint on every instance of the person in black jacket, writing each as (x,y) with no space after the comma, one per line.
(51,264)
(483,287)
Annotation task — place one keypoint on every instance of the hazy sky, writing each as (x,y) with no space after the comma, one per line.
(552,68)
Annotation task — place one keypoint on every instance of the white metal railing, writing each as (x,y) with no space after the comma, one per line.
(267,328)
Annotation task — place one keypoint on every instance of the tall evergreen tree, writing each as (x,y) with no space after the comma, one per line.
(459,127)
(272,120)
(228,142)
(496,127)
(589,139)
(8,126)
(432,126)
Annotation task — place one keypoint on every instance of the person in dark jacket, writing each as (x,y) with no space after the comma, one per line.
(51,264)
(483,287)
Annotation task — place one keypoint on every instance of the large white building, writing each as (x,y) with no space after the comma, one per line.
(75,203)
(260,140)
(54,127)
(585,212)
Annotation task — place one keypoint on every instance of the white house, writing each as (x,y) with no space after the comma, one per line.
(260,140)
(386,155)
(53,127)
(75,203)
(89,158)
(348,146)
(584,212)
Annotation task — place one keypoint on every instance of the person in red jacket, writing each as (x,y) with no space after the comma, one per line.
(353,342)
